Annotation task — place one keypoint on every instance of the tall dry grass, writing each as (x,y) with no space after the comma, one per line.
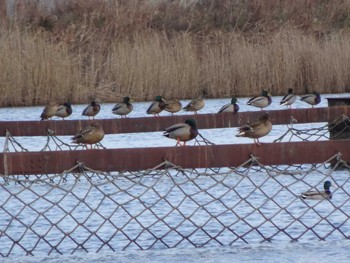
(33,71)
(90,49)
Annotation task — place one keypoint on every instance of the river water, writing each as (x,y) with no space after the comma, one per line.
(308,249)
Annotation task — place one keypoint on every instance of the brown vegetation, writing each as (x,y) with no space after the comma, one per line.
(88,48)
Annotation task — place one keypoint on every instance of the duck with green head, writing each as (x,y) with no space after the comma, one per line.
(261,101)
(123,108)
(64,110)
(92,109)
(230,107)
(319,195)
(312,99)
(182,132)
(157,106)
(256,129)
(288,99)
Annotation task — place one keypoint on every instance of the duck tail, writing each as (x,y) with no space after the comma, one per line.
(240,134)
(303,196)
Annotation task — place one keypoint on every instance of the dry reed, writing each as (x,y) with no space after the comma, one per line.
(90,49)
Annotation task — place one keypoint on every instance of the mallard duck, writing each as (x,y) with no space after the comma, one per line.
(49,111)
(173,106)
(196,104)
(182,132)
(156,106)
(288,99)
(92,109)
(312,99)
(64,110)
(319,195)
(230,107)
(123,108)
(89,135)
(261,101)
(256,129)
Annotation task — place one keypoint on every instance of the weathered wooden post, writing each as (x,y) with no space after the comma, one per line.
(339,129)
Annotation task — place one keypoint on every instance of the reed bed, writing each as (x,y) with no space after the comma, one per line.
(139,49)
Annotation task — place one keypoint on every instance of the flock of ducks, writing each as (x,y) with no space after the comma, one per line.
(159,104)
(183,132)
(65,110)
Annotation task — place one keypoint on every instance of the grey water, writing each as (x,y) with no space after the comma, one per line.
(309,249)
(154,139)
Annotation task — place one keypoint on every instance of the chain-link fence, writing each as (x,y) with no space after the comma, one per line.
(93,211)
(175,207)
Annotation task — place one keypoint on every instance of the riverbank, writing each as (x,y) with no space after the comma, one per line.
(141,49)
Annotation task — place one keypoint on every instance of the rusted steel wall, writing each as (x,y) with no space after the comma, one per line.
(187,157)
(149,124)
(342,130)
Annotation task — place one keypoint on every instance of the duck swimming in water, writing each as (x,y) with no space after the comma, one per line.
(319,195)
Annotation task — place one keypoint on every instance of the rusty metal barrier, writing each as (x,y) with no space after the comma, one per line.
(93,211)
(94,200)
(136,159)
(151,124)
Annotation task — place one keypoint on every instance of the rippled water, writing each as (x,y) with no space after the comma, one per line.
(132,140)
(318,252)
(309,249)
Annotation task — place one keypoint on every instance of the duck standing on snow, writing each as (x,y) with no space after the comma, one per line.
(261,101)
(123,108)
(312,99)
(182,132)
(157,106)
(49,111)
(288,99)
(173,106)
(196,104)
(92,109)
(91,134)
(230,107)
(64,110)
(256,129)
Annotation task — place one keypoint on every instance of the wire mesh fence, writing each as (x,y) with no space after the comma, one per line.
(94,211)
(337,129)
(83,210)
